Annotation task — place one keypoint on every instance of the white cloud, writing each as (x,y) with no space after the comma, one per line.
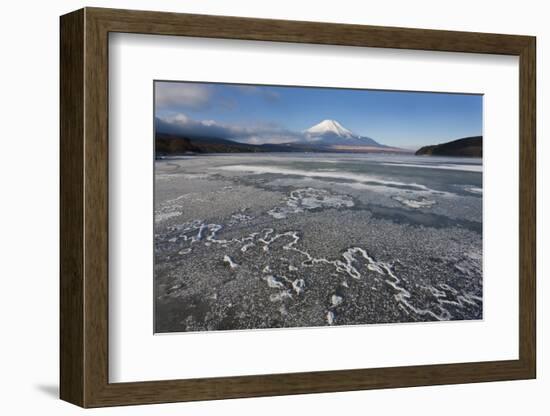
(255,134)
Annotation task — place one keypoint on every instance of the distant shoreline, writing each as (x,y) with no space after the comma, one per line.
(411,153)
(465,147)
(172,144)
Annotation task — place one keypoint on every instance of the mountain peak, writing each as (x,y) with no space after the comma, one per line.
(331,133)
(330,126)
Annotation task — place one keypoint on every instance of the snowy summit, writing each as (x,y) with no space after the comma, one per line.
(330,132)
(329,126)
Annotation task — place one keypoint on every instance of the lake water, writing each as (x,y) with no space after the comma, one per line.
(250,241)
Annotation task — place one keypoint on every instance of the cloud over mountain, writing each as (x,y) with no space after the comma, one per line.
(326,133)
(181,124)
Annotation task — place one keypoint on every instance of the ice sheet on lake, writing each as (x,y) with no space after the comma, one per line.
(355,263)
(280,254)
(474,190)
(301,200)
(357,177)
(460,167)
(414,203)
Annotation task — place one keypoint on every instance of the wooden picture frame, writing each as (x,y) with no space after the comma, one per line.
(84,207)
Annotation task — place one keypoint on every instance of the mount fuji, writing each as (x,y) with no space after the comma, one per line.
(331,133)
(198,137)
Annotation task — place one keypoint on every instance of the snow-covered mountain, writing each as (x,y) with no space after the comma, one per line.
(209,137)
(330,133)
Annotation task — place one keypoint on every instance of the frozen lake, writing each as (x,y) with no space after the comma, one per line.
(248,241)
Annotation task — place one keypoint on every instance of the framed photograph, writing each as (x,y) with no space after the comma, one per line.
(257,207)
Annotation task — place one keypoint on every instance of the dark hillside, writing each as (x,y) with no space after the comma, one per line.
(466,147)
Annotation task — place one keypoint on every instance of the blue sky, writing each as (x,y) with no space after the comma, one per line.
(259,114)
